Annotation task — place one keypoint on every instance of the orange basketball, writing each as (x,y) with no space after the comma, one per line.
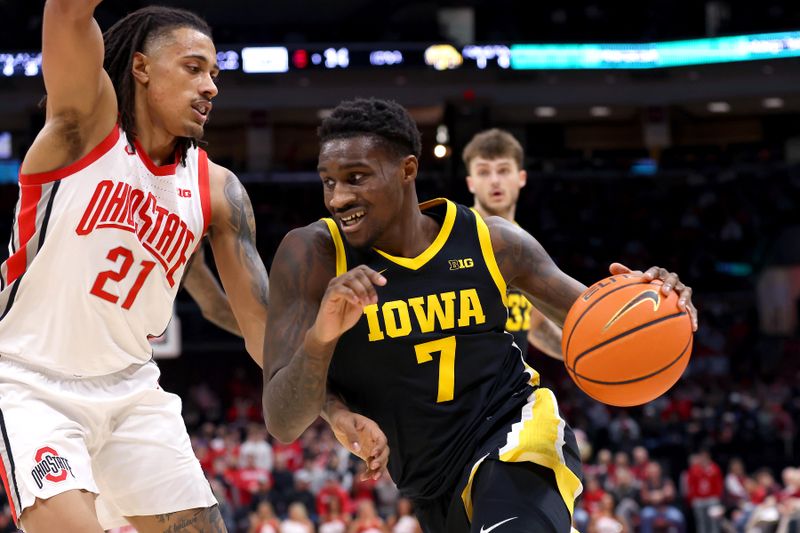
(624,342)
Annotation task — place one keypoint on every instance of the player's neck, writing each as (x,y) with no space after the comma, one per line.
(160,148)
(154,138)
(411,238)
(507,214)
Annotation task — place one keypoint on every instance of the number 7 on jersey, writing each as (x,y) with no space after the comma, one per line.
(447,364)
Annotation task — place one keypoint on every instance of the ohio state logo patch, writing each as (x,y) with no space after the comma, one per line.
(50,466)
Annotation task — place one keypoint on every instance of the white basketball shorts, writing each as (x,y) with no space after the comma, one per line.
(120,436)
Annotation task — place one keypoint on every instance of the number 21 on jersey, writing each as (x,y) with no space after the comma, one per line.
(116,276)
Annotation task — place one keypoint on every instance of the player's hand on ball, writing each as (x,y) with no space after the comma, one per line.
(363,438)
(344,301)
(669,282)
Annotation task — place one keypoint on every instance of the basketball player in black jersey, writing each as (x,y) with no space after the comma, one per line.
(495,175)
(396,311)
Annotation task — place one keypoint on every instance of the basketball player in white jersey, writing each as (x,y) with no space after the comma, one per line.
(203,287)
(495,175)
(115,197)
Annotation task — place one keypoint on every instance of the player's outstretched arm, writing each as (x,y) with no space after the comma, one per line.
(81,104)
(202,286)
(232,234)
(526,265)
(310,309)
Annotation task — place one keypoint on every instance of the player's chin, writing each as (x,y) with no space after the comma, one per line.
(194,130)
(360,240)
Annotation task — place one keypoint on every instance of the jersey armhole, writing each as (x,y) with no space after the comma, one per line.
(202,183)
(41,178)
(488,256)
(341,257)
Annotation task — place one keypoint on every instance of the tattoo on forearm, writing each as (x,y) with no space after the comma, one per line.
(295,394)
(206,520)
(244,225)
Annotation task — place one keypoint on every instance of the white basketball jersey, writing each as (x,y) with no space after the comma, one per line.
(97,252)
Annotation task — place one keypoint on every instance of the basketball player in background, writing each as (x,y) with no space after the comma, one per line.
(115,197)
(494,160)
(397,311)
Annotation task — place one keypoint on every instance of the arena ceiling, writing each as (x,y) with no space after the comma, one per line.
(237,21)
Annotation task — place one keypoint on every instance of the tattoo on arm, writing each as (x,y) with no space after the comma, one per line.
(243,223)
(205,520)
(294,379)
(526,265)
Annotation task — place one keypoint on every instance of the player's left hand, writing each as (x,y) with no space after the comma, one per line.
(669,282)
(362,437)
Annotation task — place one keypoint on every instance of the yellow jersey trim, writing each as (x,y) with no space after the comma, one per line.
(415,263)
(488,257)
(341,258)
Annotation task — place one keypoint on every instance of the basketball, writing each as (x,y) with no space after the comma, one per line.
(625,343)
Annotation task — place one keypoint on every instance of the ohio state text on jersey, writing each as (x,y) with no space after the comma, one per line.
(97,252)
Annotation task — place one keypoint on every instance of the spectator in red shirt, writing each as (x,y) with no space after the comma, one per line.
(704,486)
(291,455)
(363,489)
(247,480)
(641,458)
(332,490)
(264,520)
(367,520)
(592,495)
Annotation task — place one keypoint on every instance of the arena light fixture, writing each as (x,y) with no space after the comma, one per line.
(719,107)
(600,111)
(545,111)
(773,102)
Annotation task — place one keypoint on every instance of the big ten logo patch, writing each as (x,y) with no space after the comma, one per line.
(459,264)
(50,467)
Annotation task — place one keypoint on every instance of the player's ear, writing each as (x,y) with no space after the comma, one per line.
(410,167)
(140,68)
(523,178)
(470,184)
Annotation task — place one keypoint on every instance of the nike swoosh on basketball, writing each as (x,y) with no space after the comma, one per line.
(647,295)
(484,529)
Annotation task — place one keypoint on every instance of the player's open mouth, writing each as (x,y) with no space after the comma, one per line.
(201,109)
(351,221)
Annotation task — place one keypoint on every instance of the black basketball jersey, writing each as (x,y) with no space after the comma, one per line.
(431,362)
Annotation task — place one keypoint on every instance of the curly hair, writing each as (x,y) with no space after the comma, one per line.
(134,33)
(385,119)
(493,144)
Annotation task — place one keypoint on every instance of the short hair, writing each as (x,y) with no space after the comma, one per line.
(385,119)
(132,34)
(493,144)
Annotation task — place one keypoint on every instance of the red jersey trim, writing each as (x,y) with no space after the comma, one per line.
(41,178)
(26,223)
(205,194)
(164,170)
(4,477)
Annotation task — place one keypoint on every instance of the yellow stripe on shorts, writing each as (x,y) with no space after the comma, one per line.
(537,438)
